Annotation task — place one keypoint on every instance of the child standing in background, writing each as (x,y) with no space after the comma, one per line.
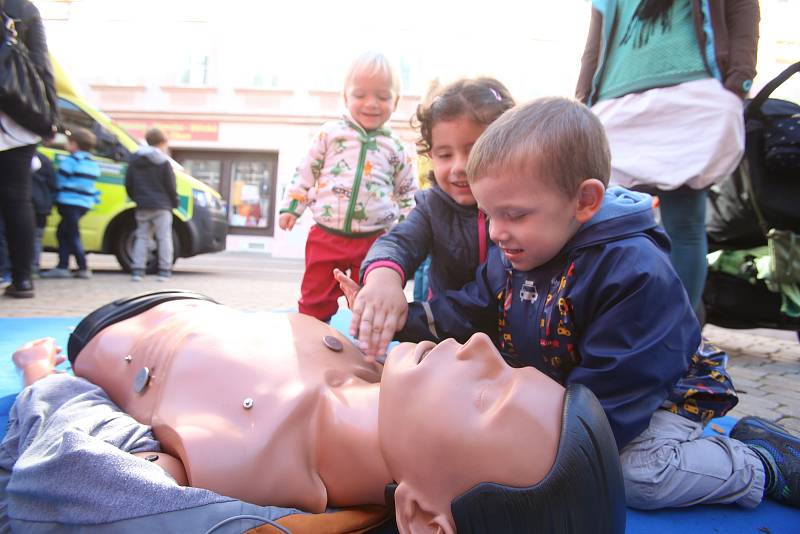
(43,190)
(446,222)
(357,179)
(75,180)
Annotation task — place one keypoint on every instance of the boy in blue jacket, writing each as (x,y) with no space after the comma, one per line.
(76,194)
(581,287)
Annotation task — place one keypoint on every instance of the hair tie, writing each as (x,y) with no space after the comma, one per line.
(496,95)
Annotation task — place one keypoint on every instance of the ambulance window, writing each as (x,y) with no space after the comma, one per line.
(74,117)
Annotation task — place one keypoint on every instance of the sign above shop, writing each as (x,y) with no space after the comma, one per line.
(176,130)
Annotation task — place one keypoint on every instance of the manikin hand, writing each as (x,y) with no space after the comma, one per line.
(286,221)
(37,359)
(379,309)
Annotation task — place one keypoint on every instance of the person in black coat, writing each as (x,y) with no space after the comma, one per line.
(17,147)
(150,182)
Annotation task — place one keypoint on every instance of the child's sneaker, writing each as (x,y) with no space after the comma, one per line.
(137,275)
(57,273)
(85,274)
(163,276)
(783,450)
(5,281)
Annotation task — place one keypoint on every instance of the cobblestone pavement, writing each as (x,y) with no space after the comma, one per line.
(765,364)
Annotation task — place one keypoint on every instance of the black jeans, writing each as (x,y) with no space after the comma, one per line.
(69,236)
(17,208)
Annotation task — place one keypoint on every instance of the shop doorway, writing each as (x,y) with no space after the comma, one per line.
(246,181)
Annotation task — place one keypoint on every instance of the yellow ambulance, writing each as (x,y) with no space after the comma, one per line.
(199,222)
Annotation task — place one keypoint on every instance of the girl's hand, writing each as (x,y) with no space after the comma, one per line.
(286,221)
(379,309)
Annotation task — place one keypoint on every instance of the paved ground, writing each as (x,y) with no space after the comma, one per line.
(765,364)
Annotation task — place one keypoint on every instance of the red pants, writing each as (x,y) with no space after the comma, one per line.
(324,252)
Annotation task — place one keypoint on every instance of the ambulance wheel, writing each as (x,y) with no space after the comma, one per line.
(123,248)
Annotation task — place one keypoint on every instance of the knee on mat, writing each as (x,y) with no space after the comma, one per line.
(645,475)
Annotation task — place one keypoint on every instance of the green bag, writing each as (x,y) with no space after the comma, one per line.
(784,255)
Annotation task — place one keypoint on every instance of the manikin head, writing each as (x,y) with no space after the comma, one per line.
(371,90)
(458,425)
(540,172)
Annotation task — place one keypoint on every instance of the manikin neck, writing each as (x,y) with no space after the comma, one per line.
(349,457)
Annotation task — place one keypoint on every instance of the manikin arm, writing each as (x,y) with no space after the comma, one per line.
(37,359)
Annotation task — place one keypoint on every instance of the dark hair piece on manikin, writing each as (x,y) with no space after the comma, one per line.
(120,310)
(583,492)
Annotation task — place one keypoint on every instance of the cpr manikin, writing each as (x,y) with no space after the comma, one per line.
(283,410)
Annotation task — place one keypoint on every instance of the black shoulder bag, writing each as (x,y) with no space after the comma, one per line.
(23,93)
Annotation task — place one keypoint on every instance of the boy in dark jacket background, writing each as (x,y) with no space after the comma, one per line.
(44,188)
(581,287)
(150,182)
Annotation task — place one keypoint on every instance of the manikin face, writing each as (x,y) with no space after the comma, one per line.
(459,417)
(370,100)
(529,219)
(451,142)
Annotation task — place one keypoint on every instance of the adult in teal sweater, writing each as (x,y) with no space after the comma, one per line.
(666,78)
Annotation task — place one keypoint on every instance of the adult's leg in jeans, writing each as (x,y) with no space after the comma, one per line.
(162,221)
(38,235)
(17,209)
(141,239)
(683,213)
(5,262)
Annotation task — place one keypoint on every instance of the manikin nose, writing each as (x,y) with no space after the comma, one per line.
(477,347)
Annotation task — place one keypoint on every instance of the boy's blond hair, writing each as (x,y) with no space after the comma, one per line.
(371,63)
(556,138)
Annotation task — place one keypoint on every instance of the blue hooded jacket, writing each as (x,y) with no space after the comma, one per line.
(608,311)
(75,180)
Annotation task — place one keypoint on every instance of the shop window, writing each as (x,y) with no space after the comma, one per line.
(208,171)
(250,194)
(246,182)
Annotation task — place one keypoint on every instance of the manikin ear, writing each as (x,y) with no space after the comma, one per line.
(588,199)
(414,518)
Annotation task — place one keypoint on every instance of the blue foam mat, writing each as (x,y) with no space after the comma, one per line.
(768,518)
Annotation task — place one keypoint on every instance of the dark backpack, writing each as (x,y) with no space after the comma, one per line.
(43,186)
(772,163)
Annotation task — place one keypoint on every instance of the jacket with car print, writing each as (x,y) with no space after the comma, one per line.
(608,312)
